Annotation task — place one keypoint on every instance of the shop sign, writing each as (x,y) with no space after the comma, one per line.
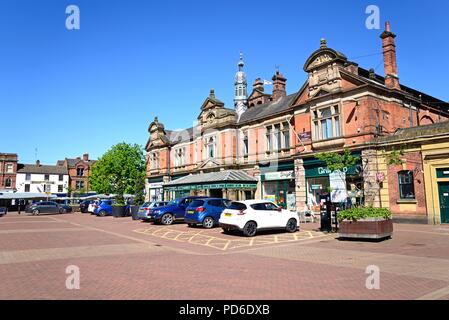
(155,185)
(325,171)
(280,175)
(316,187)
(213,186)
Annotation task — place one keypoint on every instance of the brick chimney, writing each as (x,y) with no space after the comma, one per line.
(86,157)
(278,86)
(38,163)
(389,51)
(258,85)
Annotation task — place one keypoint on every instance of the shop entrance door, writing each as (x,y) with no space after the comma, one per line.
(216,193)
(443,190)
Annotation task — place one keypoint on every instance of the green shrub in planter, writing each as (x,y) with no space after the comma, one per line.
(355,214)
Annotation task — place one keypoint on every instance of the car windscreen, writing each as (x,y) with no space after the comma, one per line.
(196,203)
(237,206)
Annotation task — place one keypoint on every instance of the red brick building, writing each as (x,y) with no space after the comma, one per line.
(8,171)
(79,170)
(275,137)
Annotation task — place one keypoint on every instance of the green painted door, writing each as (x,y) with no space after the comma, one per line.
(443,190)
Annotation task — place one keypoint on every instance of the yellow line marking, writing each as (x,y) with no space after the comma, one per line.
(226,245)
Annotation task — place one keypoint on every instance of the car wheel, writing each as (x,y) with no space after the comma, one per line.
(35,212)
(250,229)
(61,211)
(292,225)
(208,222)
(102,213)
(167,219)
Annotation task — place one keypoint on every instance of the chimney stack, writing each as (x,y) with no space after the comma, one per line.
(258,85)
(86,157)
(389,52)
(38,163)
(279,83)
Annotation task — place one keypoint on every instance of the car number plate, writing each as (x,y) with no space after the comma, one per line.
(190,212)
(228,214)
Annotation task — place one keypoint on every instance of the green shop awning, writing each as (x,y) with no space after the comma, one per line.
(226,179)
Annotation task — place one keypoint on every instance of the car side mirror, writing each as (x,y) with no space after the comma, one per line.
(279,209)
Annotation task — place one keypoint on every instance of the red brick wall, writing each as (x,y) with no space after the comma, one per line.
(413,163)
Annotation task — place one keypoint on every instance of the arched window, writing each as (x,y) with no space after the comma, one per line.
(8,183)
(406,187)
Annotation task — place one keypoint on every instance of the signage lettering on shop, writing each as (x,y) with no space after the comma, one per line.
(282,175)
(326,170)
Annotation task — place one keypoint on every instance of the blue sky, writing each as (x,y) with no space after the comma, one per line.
(70,92)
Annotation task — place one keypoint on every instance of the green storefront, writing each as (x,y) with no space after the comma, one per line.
(342,184)
(278,184)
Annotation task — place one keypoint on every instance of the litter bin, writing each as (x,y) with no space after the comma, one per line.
(134,212)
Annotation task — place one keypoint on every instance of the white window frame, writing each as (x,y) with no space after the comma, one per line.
(335,122)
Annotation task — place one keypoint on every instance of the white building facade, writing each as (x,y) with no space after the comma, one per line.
(39,178)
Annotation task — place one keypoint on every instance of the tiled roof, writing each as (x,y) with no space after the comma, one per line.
(219,176)
(42,169)
(417,132)
(267,109)
(72,162)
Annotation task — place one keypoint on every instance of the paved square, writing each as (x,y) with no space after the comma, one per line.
(126,259)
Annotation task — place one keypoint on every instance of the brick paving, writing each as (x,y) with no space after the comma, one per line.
(116,262)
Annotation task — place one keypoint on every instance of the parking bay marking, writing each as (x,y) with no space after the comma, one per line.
(198,238)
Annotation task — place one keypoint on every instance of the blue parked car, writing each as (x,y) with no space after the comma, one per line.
(104,208)
(174,210)
(205,211)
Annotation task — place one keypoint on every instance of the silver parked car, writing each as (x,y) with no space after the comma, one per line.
(146,209)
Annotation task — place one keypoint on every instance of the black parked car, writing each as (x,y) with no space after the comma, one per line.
(85,205)
(47,207)
(3,211)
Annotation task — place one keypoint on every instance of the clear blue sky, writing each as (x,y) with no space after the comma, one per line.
(69,92)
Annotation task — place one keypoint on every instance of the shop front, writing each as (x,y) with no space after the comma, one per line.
(279,186)
(155,189)
(345,186)
(231,184)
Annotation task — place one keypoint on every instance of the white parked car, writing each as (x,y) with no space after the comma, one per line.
(253,215)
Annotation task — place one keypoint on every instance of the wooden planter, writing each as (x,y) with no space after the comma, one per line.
(370,228)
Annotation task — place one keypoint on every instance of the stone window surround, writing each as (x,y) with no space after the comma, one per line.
(154,160)
(316,118)
(273,147)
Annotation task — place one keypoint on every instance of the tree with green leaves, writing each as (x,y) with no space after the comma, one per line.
(121,170)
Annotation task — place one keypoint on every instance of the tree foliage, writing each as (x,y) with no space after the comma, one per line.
(121,170)
(337,162)
(394,157)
